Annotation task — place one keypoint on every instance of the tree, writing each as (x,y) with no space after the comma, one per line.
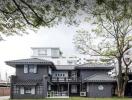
(113,22)
(18,15)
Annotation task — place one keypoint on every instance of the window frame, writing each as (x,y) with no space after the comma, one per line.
(31,70)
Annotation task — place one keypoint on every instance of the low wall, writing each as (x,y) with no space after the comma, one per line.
(4,91)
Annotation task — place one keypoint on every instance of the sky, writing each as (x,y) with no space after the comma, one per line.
(19,47)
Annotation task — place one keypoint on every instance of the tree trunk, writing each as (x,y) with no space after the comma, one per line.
(119,78)
(124,88)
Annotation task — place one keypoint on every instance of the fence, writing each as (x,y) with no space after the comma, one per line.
(4,91)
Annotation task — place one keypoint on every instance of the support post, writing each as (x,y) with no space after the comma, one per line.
(68,90)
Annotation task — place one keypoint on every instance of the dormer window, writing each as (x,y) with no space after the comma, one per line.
(30,68)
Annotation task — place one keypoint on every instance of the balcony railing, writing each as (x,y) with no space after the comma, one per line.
(65,79)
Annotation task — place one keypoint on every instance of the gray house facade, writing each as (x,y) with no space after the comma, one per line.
(37,78)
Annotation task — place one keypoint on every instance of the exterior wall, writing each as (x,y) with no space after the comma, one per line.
(84,73)
(41,70)
(42,73)
(49,52)
(95,92)
(28,96)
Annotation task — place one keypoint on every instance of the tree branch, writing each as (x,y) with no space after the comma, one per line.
(18,7)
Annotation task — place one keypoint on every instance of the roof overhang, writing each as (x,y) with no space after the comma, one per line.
(13,63)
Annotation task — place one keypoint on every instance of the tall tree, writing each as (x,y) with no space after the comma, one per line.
(113,22)
(18,15)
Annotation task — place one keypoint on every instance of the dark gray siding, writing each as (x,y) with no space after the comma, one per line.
(41,70)
(95,92)
(84,73)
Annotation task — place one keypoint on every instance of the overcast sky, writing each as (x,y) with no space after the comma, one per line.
(19,47)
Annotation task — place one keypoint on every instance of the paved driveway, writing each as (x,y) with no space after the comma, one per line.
(4,97)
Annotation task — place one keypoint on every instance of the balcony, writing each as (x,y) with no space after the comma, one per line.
(65,79)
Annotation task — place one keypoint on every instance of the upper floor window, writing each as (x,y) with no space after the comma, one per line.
(42,52)
(55,53)
(30,68)
(50,70)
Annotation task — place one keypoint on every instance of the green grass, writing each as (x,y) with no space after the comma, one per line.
(80,98)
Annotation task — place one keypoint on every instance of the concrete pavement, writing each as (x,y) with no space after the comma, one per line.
(4,97)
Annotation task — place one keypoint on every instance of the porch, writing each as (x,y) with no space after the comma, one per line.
(64,90)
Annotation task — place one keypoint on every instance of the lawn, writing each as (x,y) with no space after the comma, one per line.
(81,98)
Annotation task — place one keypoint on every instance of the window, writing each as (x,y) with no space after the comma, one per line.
(42,52)
(30,68)
(15,89)
(50,70)
(49,87)
(100,87)
(55,53)
(27,90)
(74,89)
(39,89)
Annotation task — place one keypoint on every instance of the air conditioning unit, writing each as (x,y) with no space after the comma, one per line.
(82,94)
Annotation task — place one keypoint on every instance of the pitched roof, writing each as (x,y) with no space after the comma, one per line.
(94,66)
(29,61)
(65,67)
(102,77)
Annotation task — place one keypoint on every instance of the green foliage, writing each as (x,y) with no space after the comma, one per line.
(113,20)
(18,15)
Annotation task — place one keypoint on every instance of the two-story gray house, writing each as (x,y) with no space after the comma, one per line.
(37,78)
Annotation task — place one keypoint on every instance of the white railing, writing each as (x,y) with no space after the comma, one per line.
(57,94)
(65,79)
